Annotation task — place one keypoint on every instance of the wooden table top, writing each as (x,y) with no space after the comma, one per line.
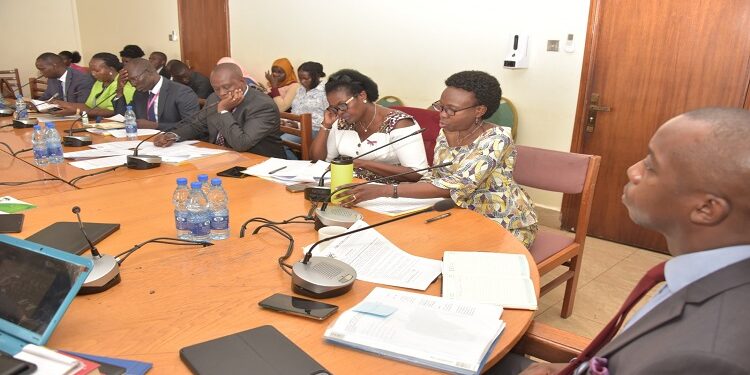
(16,170)
(171,297)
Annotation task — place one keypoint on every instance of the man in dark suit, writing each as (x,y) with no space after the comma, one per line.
(159,62)
(693,188)
(196,81)
(158,103)
(237,116)
(69,84)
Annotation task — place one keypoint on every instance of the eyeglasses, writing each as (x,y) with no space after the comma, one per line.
(449,111)
(134,79)
(341,107)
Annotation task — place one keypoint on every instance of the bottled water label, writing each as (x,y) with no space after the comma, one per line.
(40,153)
(220,222)
(201,228)
(181,221)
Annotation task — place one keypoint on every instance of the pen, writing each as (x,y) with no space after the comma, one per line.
(438,217)
(276,170)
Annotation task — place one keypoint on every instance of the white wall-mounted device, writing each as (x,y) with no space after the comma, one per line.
(518,56)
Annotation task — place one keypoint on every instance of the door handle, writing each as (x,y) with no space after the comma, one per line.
(594,109)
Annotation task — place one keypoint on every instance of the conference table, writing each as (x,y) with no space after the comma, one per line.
(171,297)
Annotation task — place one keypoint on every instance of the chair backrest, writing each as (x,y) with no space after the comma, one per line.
(10,83)
(506,115)
(562,172)
(301,126)
(429,120)
(37,87)
(390,101)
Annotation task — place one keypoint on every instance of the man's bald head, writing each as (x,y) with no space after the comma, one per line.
(226,78)
(232,70)
(142,74)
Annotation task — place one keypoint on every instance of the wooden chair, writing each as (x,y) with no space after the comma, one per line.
(429,120)
(568,173)
(506,115)
(10,83)
(550,344)
(301,126)
(390,101)
(37,87)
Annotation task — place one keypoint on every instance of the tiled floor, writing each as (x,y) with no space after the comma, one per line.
(610,271)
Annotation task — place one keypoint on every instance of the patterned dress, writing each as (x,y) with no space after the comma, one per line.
(481,179)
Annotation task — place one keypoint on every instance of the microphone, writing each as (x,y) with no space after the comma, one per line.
(106,271)
(141,162)
(82,140)
(9,111)
(325,277)
(317,192)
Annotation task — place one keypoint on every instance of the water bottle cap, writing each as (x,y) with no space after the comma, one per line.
(202,177)
(182,181)
(130,107)
(195,185)
(37,127)
(50,125)
(216,181)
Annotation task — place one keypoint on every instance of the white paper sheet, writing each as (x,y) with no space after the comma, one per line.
(120,133)
(288,171)
(378,260)
(43,106)
(116,118)
(397,206)
(100,162)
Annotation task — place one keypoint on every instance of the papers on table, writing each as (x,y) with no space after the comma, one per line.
(43,106)
(120,133)
(397,206)
(116,118)
(427,330)
(57,118)
(48,361)
(115,153)
(496,278)
(289,172)
(377,260)
(110,125)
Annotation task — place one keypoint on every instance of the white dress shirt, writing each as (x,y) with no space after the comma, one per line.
(155,90)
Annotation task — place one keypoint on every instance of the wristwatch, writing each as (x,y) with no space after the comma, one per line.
(395,191)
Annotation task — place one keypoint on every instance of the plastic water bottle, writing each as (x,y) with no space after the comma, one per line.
(203,179)
(21,112)
(54,144)
(179,200)
(84,118)
(218,206)
(199,219)
(39,144)
(131,128)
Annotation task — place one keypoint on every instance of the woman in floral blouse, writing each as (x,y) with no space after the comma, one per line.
(483,155)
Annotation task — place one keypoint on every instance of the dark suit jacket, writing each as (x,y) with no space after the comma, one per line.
(201,85)
(702,329)
(253,126)
(163,72)
(176,102)
(77,86)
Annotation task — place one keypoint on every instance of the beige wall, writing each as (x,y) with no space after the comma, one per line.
(410,47)
(24,42)
(108,25)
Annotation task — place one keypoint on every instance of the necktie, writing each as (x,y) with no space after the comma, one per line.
(150,108)
(63,91)
(220,139)
(652,277)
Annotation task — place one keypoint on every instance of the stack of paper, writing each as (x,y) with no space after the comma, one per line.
(49,361)
(425,330)
(496,278)
(397,206)
(43,106)
(289,172)
(115,153)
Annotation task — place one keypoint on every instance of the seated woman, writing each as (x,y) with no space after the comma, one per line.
(353,125)
(72,59)
(105,69)
(483,156)
(282,84)
(310,98)
(248,78)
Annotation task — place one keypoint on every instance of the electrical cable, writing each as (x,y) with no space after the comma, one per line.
(290,249)
(9,148)
(79,178)
(19,183)
(163,240)
(22,150)
(271,222)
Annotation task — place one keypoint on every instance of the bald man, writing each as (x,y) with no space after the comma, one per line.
(692,187)
(158,102)
(69,84)
(237,116)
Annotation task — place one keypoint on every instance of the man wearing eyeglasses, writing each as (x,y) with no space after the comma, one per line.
(158,102)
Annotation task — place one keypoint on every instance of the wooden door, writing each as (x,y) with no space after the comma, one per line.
(204,33)
(649,61)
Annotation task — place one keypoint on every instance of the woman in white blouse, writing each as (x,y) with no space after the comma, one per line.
(353,125)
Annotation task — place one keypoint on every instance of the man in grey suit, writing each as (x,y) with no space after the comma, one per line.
(69,84)
(158,103)
(693,188)
(237,116)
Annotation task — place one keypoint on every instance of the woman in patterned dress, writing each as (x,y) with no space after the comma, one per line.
(483,156)
(353,125)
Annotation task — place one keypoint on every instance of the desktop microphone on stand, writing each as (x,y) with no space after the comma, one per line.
(325,277)
(82,140)
(106,271)
(29,122)
(9,111)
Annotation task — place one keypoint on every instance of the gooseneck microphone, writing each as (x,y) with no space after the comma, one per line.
(106,271)
(141,162)
(82,140)
(325,277)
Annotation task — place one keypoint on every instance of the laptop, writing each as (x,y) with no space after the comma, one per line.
(67,236)
(37,284)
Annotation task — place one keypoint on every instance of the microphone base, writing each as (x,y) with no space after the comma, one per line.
(336,216)
(322,277)
(104,275)
(143,161)
(316,193)
(25,123)
(6,112)
(77,140)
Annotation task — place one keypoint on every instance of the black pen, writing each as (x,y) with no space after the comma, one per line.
(438,217)
(276,170)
